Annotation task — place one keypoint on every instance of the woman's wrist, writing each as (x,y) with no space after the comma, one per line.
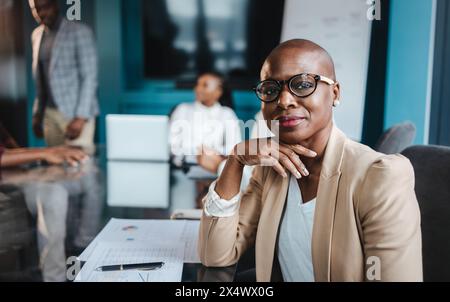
(235,162)
(229,182)
(234,156)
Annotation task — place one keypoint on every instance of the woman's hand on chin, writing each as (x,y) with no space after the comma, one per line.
(268,152)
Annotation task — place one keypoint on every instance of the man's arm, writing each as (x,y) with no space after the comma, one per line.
(88,69)
(87,66)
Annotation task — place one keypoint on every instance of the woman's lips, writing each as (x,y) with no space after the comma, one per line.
(290,121)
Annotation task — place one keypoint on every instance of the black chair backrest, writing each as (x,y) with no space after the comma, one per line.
(432,171)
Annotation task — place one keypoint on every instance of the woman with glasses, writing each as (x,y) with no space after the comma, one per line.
(319,207)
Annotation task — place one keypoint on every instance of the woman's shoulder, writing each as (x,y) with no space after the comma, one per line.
(185,107)
(365,163)
(358,153)
(379,182)
(182,109)
(228,112)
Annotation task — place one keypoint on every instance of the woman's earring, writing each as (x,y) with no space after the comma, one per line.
(336,103)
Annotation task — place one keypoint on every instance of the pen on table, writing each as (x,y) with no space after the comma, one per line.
(139,266)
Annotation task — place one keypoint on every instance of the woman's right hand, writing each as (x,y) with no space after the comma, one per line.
(61,155)
(267,152)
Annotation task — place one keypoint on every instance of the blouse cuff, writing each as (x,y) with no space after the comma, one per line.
(218,207)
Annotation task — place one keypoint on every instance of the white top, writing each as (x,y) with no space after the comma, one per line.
(194,125)
(294,245)
(215,206)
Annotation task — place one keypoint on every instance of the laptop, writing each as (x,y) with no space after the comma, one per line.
(137,137)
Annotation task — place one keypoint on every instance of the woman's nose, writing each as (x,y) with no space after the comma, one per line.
(286,99)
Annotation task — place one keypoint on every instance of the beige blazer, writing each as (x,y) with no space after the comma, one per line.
(366,206)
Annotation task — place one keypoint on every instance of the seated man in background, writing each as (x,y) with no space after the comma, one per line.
(48,202)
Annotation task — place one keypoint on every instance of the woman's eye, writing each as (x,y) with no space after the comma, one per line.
(270,91)
(305,85)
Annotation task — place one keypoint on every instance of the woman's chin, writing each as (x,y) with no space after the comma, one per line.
(294,137)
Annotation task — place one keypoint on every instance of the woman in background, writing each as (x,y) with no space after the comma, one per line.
(208,122)
(207,127)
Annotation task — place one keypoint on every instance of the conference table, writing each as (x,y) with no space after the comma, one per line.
(88,211)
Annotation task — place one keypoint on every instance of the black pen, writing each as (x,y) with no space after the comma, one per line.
(139,266)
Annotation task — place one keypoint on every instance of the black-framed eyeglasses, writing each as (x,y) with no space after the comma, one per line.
(301,85)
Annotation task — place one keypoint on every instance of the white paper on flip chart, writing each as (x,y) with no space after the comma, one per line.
(114,253)
(131,230)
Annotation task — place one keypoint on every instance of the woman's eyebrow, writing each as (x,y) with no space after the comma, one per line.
(269,79)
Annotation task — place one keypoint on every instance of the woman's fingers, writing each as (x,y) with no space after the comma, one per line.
(288,164)
(73,157)
(276,165)
(290,159)
(282,158)
(295,159)
(71,161)
(300,150)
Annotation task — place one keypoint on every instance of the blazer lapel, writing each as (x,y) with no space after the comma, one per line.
(326,205)
(269,224)
(56,50)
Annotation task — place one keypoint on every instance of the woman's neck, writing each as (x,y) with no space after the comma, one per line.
(318,143)
(207,104)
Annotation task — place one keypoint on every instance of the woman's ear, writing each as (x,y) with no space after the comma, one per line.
(336,94)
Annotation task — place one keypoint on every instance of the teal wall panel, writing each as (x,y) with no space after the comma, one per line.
(408,70)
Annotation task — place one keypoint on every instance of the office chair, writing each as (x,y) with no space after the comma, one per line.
(432,171)
(396,139)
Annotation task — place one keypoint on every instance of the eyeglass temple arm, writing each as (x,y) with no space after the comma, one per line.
(327,80)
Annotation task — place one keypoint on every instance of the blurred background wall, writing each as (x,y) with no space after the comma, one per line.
(150,51)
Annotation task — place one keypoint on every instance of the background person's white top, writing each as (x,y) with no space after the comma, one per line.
(193,125)
(294,243)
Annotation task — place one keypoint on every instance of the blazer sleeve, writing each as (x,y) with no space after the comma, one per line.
(88,69)
(390,221)
(222,241)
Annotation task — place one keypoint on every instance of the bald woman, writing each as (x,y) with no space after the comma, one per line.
(319,206)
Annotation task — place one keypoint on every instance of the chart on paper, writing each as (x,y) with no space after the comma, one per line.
(128,230)
(117,253)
